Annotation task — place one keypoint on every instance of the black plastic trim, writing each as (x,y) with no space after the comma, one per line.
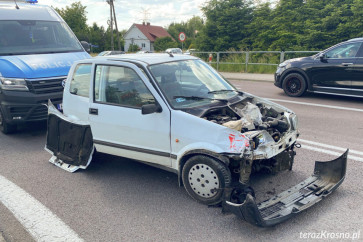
(137,149)
(326,178)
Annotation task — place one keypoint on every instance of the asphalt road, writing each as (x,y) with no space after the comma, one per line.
(122,200)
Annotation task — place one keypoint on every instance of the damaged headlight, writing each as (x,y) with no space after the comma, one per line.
(13,84)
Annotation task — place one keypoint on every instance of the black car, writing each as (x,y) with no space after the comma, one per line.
(337,70)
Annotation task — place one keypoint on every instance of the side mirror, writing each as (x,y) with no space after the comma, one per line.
(322,57)
(86,46)
(150,108)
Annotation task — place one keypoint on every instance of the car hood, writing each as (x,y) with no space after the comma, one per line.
(300,59)
(40,65)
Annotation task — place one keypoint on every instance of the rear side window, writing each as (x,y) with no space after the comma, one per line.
(81,80)
(121,86)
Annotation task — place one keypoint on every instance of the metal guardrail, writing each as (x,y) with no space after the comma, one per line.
(246,57)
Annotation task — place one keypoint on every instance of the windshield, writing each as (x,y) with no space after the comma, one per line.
(25,37)
(191,83)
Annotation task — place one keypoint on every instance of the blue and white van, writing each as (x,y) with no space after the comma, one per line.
(37,49)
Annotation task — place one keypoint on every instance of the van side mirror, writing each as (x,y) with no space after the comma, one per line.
(150,108)
(86,46)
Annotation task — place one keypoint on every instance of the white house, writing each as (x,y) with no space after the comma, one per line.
(144,36)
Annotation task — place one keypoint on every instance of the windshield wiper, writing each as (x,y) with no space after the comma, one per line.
(223,90)
(200,98)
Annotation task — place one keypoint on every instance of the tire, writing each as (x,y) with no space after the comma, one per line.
(5,127)
(294,85)
(204,179)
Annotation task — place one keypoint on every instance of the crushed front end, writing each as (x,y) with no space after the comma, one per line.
(326,178)
(271,131)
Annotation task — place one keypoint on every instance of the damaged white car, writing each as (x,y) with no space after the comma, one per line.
(178,113)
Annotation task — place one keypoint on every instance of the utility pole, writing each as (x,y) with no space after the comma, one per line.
(113,20)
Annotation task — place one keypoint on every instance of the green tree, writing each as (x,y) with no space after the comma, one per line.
(190,28)
(163,43)
(97,37)
(260,35)
(75,17)
(226,24)
(133,48)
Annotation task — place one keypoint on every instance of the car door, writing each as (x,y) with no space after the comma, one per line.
(118,126)
(334,71)
(357,82)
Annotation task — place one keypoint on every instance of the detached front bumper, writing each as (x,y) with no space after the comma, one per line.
(326,178)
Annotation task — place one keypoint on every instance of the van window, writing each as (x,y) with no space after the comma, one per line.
(81,80)
(122,86)
(24,37)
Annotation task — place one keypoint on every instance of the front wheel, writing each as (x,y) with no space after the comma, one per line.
(205,178)
(5,127)
(294,85)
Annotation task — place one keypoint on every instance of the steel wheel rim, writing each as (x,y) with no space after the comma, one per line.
(203,180)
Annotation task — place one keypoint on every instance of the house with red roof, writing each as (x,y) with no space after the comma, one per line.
(144,36)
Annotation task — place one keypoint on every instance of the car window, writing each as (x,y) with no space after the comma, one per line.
(122,86)
(344,51)
(360,53)
(80,80)
(190,83)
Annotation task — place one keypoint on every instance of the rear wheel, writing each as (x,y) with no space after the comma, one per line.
(5,127)
(204,179)
(294,85)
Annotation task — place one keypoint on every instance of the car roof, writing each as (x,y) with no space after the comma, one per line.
(356,39)
(149,59)
(27,11)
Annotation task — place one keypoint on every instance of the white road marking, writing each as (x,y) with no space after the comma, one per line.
(38,220)
(329,152)
(317,105)
(331,147)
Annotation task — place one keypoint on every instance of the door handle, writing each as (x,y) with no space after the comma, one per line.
(347,64)
(93,111)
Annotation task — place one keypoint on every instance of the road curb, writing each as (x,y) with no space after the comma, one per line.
(244,79)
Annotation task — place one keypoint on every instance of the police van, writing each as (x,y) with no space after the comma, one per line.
(37,49)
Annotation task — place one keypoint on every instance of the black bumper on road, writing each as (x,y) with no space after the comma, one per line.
(326,178)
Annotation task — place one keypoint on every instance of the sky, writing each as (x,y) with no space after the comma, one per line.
(160,12)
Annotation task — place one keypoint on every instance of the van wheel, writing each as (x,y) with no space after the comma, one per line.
(205,178)
(294,85)
(5,127)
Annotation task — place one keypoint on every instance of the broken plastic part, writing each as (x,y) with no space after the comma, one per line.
(252,113)
(70,142)
(234,124)
(326,178)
